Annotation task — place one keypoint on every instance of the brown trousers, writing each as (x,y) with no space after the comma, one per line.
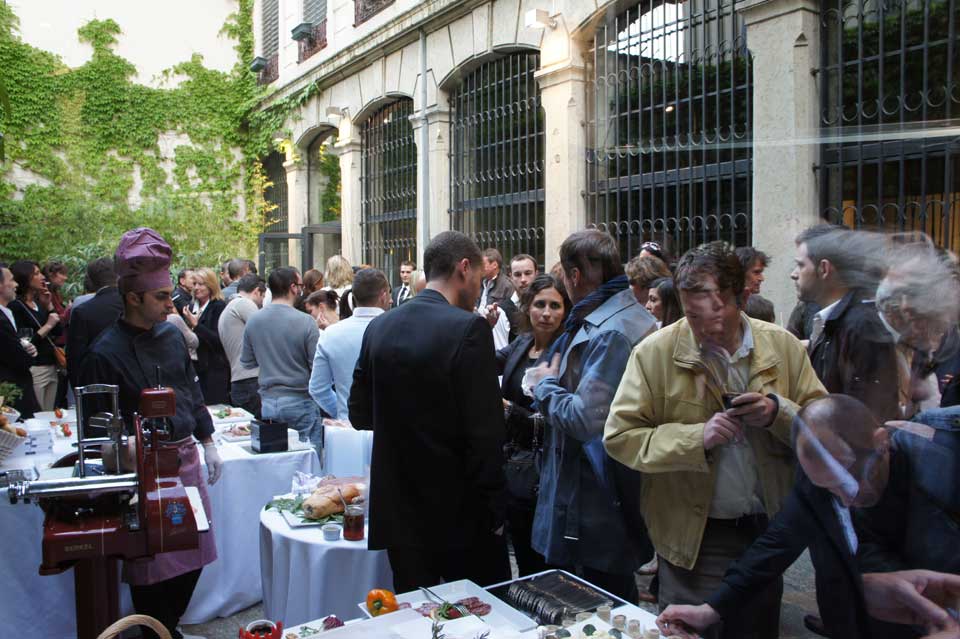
(724,541)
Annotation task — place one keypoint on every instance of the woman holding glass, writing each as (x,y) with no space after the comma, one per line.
(213,367)
(543,308)
(37,320)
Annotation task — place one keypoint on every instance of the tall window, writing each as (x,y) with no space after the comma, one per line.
(276,250)
(669,125)
(389,182)
(270,38)
(314,11)
(496,173)
(890,81)
(315,14)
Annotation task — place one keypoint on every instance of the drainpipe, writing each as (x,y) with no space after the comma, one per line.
(424,151)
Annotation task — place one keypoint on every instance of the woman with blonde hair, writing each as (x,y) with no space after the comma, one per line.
(339,278)
(213,367)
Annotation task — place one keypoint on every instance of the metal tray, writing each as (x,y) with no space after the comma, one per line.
(556,582)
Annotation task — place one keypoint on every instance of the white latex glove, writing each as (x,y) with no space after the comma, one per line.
(214,463)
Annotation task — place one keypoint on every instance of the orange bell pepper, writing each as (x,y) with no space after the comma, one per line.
(380,602)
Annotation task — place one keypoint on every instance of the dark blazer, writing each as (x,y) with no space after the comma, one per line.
(15,366)
(426,384)
(396,295)
(502,290)
(508,359)
(856,355)
(213,366)
(87,321)
(807,519)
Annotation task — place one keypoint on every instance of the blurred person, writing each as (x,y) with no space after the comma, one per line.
(251,266)
(339,278)
(338,346)
(421,282)
(642,272)
(322,306)
(16,358)
(658,250)
(281,341)
(759,307)
(543,307)
(495,293)
(56,274)
(131,354)
(189,337)
(405,291)
(224,275)
(715,456)
(236,268)
(754,262)
(849,348)
(93,317)
(523,270)
(844,463)
(244,386)
(800,322)
(663,302)
(213,367)
(312,281)
(579,522)
(441,451)
(183,291)
(33,309)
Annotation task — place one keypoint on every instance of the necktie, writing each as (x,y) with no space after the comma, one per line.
(403,294)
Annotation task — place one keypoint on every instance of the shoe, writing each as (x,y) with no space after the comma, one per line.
(814,624)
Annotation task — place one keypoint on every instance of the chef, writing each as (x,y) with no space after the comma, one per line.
(128,355)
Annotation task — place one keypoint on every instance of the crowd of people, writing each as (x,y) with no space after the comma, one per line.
(605,418)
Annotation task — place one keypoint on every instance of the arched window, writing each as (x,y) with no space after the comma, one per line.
(389,182)
(670,148)
(888,70)
(275,249)
(496,173)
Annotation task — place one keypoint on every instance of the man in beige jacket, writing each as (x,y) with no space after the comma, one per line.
(713,476)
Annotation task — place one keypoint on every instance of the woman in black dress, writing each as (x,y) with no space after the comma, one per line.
(543,308)
(33,309)
(213,367)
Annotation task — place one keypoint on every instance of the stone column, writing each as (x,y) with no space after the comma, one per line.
(436,198)
(348,150)
(297,185)
(563,96)
(784,39)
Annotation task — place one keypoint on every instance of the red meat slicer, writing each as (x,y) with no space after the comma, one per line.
(95,520)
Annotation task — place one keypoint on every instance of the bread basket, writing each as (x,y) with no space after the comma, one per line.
(113,631)
(9,442)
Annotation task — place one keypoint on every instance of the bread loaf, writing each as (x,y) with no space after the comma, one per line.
(325,501)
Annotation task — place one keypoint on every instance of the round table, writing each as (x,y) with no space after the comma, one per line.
(347,452)
(305,577)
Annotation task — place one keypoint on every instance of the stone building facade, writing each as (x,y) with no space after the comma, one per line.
(520,121)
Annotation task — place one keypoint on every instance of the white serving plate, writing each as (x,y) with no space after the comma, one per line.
(238,415)
(69,416)
(501,614)
(229,437)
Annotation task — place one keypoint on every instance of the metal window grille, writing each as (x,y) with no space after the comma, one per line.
(389,183)
(271,27)
(314,11)
(670,145)
(276,194)
(889,89)
(363,10)
(496,176)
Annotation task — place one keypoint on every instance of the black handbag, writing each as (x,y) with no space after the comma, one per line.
(522,467)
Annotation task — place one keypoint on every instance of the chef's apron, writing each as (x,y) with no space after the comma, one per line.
(168,565)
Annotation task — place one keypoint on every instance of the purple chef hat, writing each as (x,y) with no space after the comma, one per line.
(142,261)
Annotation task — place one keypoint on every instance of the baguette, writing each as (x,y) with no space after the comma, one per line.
(325,501)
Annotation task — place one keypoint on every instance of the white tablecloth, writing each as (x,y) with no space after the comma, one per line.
(347,452)
(231,583)
(305,577)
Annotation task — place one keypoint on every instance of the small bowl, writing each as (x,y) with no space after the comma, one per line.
(260,623)
(331,532)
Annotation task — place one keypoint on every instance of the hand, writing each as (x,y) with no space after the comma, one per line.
(322,322)
(44,297)
(492,314)
(31,350)
(52,320)
(189,317)
(214,463)
(537,374)
(719,430)
(679,620)
(753,409)
(913,597)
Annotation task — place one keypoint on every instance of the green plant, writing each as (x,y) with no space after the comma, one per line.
(9,393)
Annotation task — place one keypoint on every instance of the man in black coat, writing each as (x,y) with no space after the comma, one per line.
(850,349)
(15,359)
(91,318)
(426,384)
(844,462)
(402,293)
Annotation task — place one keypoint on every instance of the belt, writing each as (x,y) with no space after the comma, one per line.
(756,520)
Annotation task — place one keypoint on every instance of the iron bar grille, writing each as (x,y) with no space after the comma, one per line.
(276,194)
(317,41)
(389,181)
(670,145)
(890,91)
(496,173)
(270,33)
(363,10)
(314,11)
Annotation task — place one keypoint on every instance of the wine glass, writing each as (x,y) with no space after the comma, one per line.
(26,336)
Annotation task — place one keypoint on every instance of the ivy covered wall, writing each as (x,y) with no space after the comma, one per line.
(104,154)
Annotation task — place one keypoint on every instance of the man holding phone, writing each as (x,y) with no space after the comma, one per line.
(714,475)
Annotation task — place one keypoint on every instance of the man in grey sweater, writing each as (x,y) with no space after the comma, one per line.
(282,341)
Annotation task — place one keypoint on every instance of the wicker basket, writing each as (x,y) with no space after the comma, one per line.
(9,443)
(114,630)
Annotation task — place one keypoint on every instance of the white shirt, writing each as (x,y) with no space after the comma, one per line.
(9,314)
(820,320)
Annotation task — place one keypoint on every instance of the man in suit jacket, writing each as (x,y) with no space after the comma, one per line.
(15,359)
(402,293)
(827,432)
(90,319)
(426,384)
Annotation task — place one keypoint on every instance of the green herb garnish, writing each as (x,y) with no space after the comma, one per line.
(294,505)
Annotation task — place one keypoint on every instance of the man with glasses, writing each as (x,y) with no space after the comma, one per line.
(282,341)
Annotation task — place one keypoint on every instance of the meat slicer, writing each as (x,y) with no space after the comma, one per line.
(95,518)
